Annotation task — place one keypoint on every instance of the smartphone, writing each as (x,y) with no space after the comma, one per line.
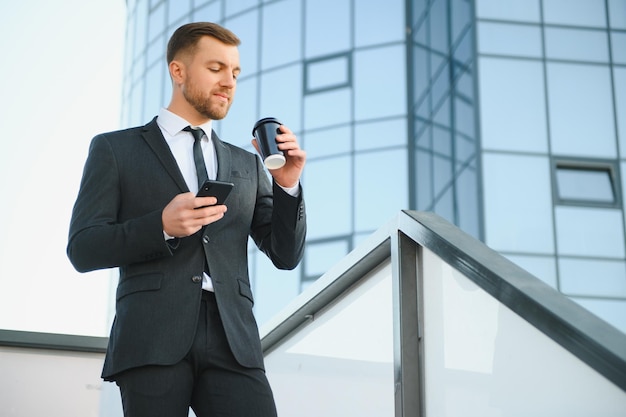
(217,189)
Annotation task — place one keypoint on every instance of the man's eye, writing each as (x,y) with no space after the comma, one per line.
(214,69)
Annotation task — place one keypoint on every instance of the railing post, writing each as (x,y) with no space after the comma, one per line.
(408,370)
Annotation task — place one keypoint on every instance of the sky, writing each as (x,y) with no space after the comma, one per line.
(60,85)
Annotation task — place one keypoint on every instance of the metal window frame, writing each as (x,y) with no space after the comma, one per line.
(587,164)
(329,87)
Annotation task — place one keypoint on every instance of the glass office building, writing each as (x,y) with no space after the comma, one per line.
(505,117)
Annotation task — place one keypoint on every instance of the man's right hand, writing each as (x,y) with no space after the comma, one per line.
(186,214)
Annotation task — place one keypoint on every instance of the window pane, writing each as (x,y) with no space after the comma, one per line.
(420,72)
(320,257)
(618,47)
(517,10)
(376,24)
(438,26)
(444,205)
(611,311)
(246,27)
(327,142)
(579,45)
(462,16)
(281,46)
(513,115)
(617,14)
(442,142)
(327,109)
(373,99)
(177,9)
(581,110)
(466,149)
(233,7)
(440,92)
(464,117)
(423,179)
(271,297)
(135,105)
(335,27)
(465,85)
(281,91)
(328,185)
(464,51)
(211,12)
(156,21)
(592,278)
(140,32)
(328,73)
(154,52)
(593,185)
(518,203)
(153,97)
(543,267)
(442,175)
(379,135)
(578,13)
(467,195)
(384,190)
(590,232)
(509,39)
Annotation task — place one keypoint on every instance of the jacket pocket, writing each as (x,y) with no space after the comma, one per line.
(137,283)
(245,290)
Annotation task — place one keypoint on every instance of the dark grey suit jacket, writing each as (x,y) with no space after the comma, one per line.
(129,177)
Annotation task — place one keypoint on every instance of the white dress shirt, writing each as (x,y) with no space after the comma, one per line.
(181,145)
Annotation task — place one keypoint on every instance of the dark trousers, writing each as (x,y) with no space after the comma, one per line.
(208,379)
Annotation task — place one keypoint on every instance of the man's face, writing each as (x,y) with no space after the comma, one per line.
(211,78)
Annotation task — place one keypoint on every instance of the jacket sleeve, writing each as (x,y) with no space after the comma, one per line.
(279,228)
(97,238)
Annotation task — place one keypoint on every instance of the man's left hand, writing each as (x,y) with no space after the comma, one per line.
(289,174)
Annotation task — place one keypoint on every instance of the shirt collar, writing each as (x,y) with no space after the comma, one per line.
(173,123)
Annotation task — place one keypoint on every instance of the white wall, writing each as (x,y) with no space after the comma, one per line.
(41,382)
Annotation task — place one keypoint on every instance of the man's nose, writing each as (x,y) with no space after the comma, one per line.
(228,80)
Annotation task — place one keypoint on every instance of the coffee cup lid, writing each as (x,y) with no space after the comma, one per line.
(265,120)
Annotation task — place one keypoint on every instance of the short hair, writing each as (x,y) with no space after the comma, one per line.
(186,37)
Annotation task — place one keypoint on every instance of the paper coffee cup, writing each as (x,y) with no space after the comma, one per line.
(265,131)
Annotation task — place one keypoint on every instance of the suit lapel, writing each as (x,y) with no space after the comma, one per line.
(155,140)
(224,164)
(224,159)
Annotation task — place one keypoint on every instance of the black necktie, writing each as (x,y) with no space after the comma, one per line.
(197,154)
(200,166)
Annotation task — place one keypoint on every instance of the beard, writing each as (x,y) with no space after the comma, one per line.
(204,104)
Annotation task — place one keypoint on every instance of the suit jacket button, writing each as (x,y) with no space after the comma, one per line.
(196,279)
(206,239)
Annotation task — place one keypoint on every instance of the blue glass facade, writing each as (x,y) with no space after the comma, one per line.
(465,108)
(552,99)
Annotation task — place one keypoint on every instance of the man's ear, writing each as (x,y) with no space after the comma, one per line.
(177,71)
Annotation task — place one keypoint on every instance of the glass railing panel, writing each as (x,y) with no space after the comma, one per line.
(341,362)
(482,359)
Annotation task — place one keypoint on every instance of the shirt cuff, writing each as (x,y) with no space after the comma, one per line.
(292,191)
